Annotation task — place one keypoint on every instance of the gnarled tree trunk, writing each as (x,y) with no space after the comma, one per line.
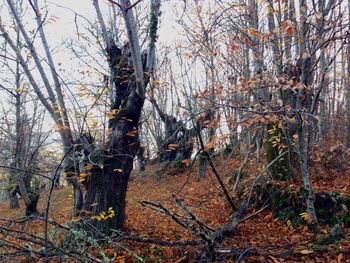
(107,183)
(177,143)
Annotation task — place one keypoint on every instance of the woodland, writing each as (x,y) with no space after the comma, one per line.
(175,131)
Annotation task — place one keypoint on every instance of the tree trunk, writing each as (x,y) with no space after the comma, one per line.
(31,207)
(177,144)
(306,77)
(107,182)
(141,160)
(14,204)
(347,132)
(281,169)
(202,166)
(106,187)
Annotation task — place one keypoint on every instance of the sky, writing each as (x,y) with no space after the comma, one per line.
(62,28)
(168,31)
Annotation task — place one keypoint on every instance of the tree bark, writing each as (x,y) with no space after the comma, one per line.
(347,132)
(14,204)
(107,184)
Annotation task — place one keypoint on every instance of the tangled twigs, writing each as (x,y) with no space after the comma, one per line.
(36,247)
(24,219)
(189,221)
(204,227)
(211,238)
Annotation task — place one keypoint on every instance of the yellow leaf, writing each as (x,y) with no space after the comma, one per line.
(155,83)
(83,175)
(118,170)
(306,251)
(306,217)
(112,114)
(77,218)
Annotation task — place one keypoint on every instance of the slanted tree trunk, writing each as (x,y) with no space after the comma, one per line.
(23,179)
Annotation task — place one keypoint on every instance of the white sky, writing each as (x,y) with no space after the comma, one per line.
(64,28)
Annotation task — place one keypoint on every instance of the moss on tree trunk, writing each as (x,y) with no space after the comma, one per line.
(275,145)
(290,203)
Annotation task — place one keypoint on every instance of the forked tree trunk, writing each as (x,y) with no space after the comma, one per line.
(107,185)
(177,144)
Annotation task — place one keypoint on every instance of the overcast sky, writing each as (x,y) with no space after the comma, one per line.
(64,29)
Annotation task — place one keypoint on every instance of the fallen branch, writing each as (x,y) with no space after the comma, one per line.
(178,243)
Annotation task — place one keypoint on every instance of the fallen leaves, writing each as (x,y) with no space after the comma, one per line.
(206,201)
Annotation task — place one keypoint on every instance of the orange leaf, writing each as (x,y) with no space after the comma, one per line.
(83,175)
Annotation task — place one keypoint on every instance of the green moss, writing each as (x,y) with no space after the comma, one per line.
(275,142)
(178,161)
(345,200)
(334,194)
(336,234)
(346,219)
(165,166)
(287,204)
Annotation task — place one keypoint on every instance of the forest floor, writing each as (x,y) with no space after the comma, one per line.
(262,233)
